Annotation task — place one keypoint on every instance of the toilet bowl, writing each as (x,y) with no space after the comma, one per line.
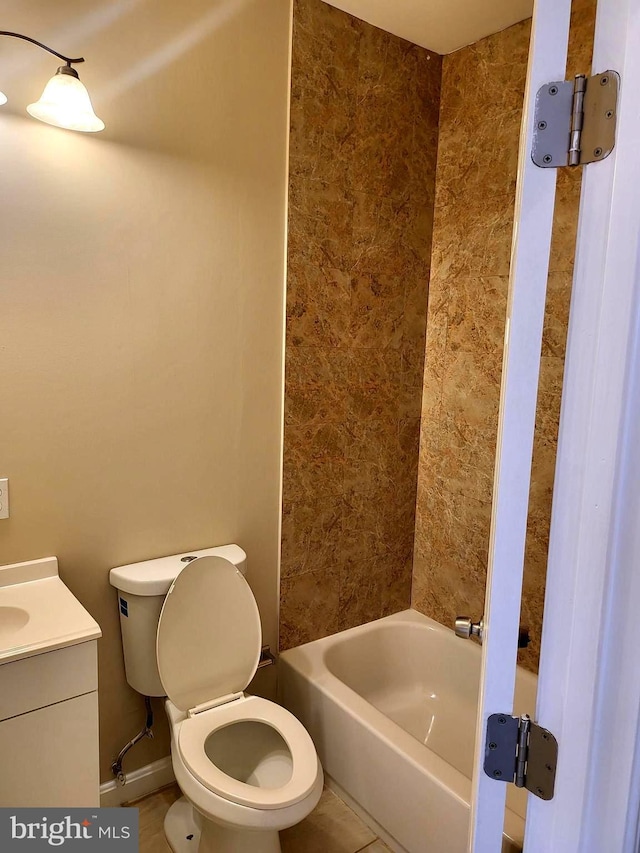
(247,769)
(246,766)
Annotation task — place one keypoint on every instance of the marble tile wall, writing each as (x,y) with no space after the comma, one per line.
(481,104)
(364,124)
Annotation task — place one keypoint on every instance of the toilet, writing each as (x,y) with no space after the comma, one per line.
(246,766)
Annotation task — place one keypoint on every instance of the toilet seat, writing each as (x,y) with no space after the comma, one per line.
(207,652)
(194,732)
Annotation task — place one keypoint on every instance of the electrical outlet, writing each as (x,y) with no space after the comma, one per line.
(4,497)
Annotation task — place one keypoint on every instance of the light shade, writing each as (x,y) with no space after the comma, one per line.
(65,102)
(3,98)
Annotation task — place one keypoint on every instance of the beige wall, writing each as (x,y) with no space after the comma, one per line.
(481,107)
(364,116)
(142,275)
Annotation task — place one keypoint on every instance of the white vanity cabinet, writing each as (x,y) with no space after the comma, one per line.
(48,695)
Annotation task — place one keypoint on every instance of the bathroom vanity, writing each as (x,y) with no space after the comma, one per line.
(48,691)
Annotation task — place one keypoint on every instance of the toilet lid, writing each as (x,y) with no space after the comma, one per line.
(209,637)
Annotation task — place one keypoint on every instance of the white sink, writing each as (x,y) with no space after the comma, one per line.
(38,613)
(12,619)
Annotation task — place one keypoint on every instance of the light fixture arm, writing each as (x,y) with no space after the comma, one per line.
(65,101)
(66,59)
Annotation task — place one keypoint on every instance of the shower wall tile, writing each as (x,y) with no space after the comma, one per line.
(363,147)
(413,363)
(374,367)
(306,476)
(322,534)
(565,223)
(360,594)
(320,224)
(377,306)
(316,365)
(481,104)
(476,309)
(396,582)
(318,305)
(556,318)
(309,606)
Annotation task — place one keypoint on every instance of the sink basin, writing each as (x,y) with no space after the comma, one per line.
(12,619)
(38,613)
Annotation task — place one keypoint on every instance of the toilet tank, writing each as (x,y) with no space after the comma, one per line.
(142,588)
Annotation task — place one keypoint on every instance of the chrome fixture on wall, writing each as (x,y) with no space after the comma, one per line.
(65,101)
(465,628)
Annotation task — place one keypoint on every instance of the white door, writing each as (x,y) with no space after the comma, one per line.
(618,23)
(589,679)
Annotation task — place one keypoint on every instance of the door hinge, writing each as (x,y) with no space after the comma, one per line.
(575,121)
(520,751)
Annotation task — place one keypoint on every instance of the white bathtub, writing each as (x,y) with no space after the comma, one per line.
(391,707)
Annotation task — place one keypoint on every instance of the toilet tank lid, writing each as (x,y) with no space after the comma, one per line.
(154,577)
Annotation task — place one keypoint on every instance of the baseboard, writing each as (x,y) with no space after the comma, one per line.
(139,783)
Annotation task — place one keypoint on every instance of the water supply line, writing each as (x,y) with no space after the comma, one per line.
(146,731)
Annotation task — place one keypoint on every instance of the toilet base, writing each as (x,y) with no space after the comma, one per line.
(221,839)
(180,827)
(187,832)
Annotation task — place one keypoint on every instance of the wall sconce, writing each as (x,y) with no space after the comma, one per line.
(65,101)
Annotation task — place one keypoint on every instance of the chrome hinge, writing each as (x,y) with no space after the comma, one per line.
(575,121)
(267,658)
(520,751)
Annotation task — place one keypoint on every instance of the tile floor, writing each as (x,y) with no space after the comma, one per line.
(331,828)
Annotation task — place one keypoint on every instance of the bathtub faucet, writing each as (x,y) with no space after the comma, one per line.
(465,629)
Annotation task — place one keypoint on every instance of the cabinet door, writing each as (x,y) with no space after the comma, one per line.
(49,757)
(36,682)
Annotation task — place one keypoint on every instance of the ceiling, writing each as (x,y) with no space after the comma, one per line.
(439,25)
